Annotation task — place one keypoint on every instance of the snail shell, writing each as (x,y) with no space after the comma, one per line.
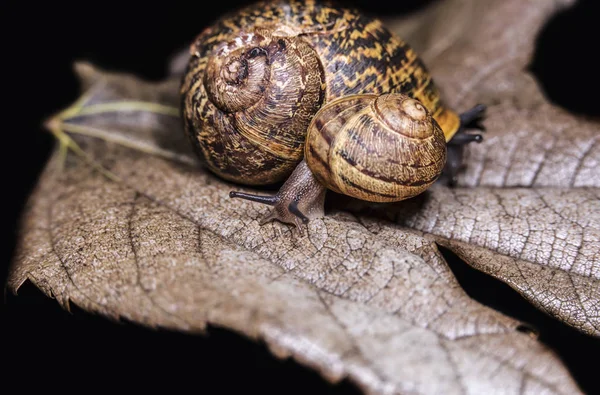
(257,77)
(376,148)
(257,96)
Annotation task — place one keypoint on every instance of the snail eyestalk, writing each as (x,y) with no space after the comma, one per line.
(268,200)
(468,120)
(471,115)
(466,138)
(454,161)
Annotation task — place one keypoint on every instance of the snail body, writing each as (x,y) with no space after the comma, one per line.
(322,97)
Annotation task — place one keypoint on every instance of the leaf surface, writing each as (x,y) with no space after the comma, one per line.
(126,224)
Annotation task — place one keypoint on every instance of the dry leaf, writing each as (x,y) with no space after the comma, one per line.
(534,221)
(126,224)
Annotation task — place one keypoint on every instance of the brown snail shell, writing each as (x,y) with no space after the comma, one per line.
(257,76)
(257,97)
(376,148)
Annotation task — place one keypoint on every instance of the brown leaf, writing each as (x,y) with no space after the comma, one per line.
(544,241)
(126,224)
(159,242)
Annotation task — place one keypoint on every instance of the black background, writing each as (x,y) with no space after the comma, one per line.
(47,348)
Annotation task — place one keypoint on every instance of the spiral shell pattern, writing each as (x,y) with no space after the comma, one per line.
(251,105)
(377,148)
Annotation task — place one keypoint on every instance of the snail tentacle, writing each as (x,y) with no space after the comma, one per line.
(475,113)
(293,208)
(454,161)
(465,138)
(268,200)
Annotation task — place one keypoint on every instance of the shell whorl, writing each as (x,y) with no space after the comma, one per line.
(251,103)
(236,81)
(376,148)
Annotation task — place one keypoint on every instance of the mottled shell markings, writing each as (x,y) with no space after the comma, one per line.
(257,77)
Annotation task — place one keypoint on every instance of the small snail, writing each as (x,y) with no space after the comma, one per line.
(279,81)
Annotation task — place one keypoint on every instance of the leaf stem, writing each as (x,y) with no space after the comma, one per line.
(126,106)
(66,143)
(59,128)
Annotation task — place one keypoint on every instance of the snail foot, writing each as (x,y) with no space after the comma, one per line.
(299,199)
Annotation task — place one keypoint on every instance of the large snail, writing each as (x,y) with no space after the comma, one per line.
(261,80)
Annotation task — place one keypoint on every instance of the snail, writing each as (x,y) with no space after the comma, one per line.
(274,90)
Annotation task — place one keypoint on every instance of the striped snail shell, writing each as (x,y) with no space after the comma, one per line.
(251,107)
(377,148)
